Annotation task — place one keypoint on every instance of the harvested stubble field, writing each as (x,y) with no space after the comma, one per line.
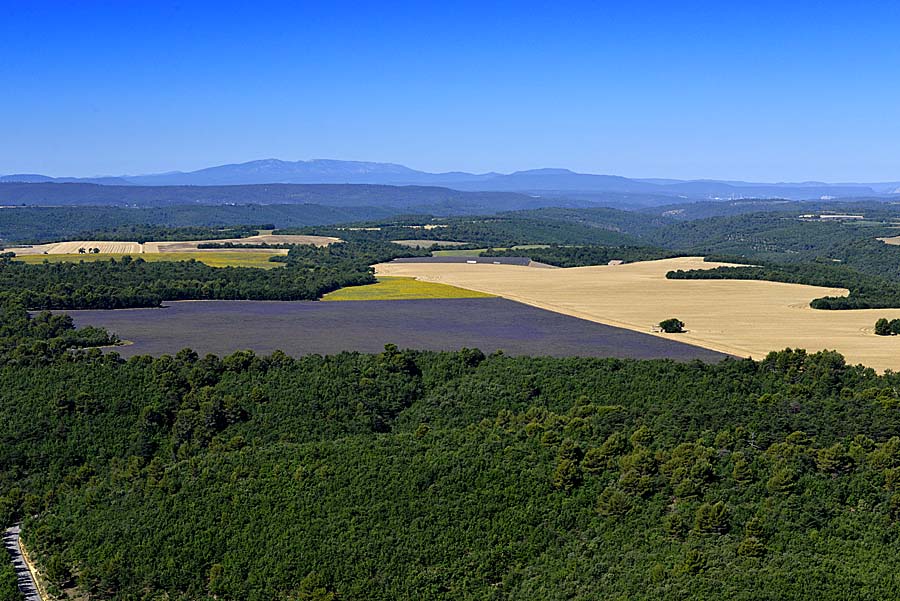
(71,247)
(305,327)
(389,288)
(135,248)
(744,318)
(213,258)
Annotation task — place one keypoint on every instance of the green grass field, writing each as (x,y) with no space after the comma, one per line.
(395,288)
(213,259)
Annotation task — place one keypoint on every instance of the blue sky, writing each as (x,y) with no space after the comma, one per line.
(737,90)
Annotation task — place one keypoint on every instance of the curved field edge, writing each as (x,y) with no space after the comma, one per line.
(402,288)
(746,318)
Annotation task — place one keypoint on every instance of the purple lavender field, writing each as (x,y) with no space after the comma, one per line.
(299,328)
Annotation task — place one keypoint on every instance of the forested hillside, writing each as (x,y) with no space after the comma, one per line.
(34,225)
(580,256)
(454,476)
(410,199)
(498,231)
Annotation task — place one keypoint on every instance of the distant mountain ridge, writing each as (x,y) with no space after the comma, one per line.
(392,200)
(329,171)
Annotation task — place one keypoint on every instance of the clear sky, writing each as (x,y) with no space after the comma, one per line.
(770,91)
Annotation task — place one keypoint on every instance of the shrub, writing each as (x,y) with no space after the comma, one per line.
(672,326)
(883,327)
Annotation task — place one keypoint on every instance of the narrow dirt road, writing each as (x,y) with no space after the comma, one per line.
(26,582)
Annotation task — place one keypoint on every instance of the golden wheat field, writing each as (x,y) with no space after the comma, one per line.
(744,318)
(72,247)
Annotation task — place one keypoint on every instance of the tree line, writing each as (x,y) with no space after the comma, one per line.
(308,273)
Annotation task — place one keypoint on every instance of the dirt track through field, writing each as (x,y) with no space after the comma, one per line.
(744,318)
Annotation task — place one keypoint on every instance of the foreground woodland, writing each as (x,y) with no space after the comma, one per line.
(447,475)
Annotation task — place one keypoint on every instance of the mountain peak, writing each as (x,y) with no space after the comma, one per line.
(545,171)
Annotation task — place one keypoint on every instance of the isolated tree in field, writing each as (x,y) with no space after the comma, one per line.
(672,326)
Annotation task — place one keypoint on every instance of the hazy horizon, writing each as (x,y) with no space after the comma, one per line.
(476,172)
(761,93)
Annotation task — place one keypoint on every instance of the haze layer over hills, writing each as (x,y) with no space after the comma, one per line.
(325,171)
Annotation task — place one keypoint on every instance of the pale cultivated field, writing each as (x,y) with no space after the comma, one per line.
(894,240)
(66,248)
(744,318)
(165,247)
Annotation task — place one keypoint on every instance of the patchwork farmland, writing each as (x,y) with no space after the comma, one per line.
(243,255)
(134,248)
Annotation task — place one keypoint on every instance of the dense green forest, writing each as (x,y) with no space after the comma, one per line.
(43,336)
(580,256)
(308,273)
(386,199)
(454,476)
(494,231)
(35,225)
(9,590)
(147,233)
